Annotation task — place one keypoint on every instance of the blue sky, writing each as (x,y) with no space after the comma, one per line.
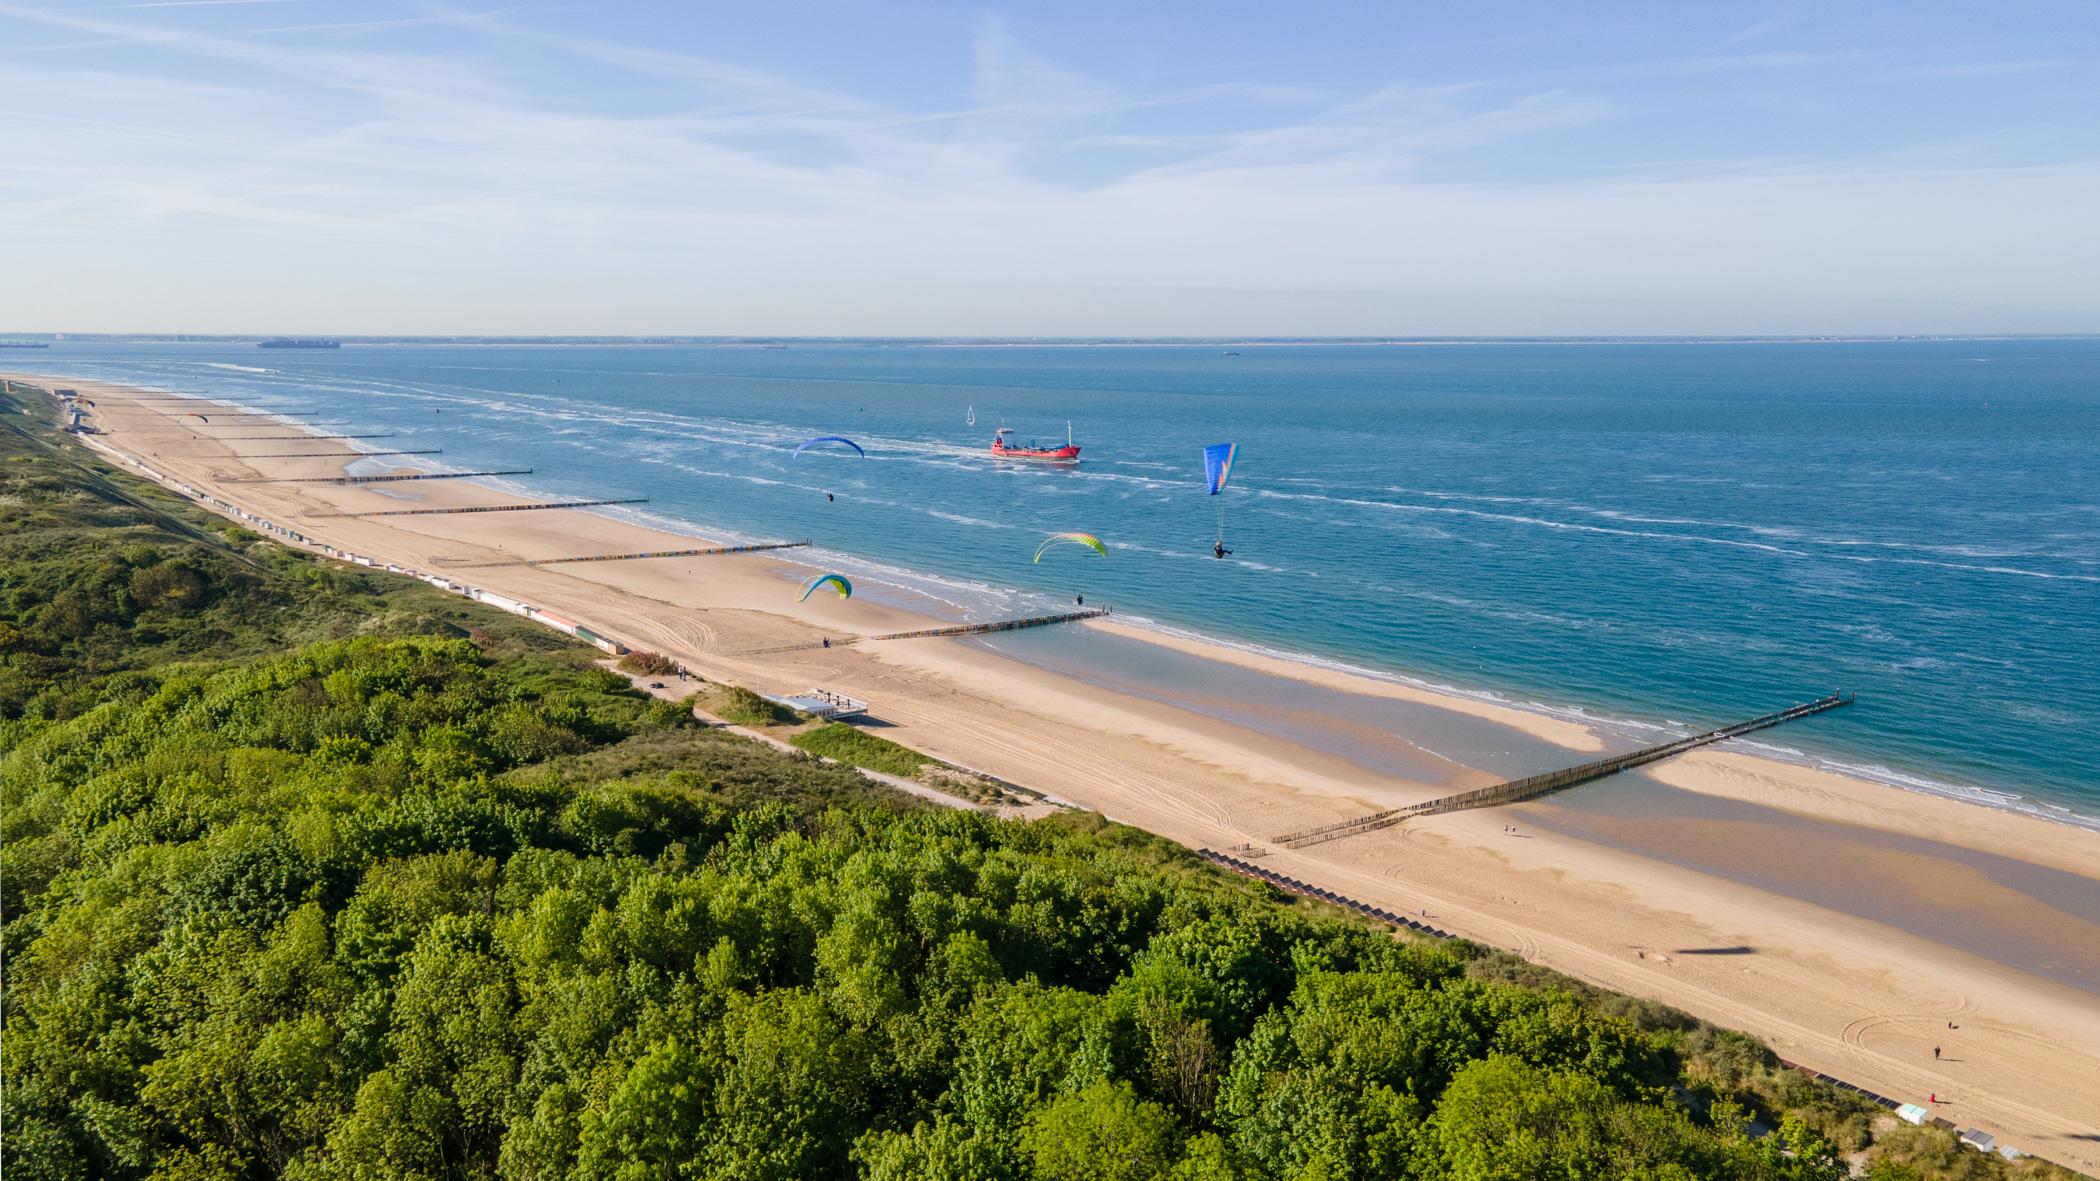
(1078,168)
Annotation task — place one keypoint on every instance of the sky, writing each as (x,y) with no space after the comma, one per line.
(1080,168)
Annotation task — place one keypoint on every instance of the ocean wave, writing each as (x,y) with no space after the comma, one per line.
(959,519)
(1658,535)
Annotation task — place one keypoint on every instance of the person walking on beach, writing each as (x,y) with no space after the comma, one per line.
(1935,1053)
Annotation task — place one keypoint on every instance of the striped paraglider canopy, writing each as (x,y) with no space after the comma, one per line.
(1086,539)
(836,582)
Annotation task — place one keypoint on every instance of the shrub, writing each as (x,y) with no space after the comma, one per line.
(740,705)
(648,664)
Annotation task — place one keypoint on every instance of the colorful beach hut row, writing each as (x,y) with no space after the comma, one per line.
(264,525)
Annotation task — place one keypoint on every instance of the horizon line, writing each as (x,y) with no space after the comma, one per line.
(63,337)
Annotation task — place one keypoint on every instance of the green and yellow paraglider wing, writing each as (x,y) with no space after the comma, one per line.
(1086,539)
(836,582)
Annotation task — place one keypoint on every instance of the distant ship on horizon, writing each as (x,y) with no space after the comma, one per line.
(289,342)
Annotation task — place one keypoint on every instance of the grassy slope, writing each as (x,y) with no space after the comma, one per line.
(849,745)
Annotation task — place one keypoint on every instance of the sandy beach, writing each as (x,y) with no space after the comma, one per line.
(1857,998)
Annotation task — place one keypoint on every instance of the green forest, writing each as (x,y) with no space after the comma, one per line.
(316,872)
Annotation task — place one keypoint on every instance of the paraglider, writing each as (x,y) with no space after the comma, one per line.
(197,416)
(1217,469)
(836,582)
(830,439)
(1086,539)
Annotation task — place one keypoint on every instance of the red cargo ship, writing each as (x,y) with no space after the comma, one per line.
(1001,449)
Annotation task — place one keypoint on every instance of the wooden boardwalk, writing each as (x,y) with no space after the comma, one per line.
(1517,791)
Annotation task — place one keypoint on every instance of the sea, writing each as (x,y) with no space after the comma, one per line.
(1656,537)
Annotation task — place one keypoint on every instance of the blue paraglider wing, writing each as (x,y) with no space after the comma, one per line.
(1217,465)
(829,439)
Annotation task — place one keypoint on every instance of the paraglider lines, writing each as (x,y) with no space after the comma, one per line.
(830,439)
(837,582)
(1086,539)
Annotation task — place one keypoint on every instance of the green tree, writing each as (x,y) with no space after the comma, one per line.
(1102,1133)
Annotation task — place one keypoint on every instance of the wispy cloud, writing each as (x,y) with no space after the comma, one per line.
(206,3)
(494,159)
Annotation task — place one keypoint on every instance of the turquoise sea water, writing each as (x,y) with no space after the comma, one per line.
(1660,535)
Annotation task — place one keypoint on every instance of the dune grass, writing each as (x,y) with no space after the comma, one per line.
(734,703)
(862,749)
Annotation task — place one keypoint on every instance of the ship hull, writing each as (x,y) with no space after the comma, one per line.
(1068,454)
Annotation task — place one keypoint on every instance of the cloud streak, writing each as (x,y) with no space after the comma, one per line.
(511,178)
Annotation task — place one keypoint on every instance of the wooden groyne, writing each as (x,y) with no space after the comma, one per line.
(1532,787)
(516,471)
(957,629)
(337,454)
(287,439)
(1000,625)
(489,508)
(708,551)
(1295,886)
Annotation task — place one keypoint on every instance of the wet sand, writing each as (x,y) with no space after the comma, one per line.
(1844,975)
(2026,916)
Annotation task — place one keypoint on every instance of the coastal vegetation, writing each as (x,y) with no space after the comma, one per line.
(734,703)
(837,740)
(649,664)
(311,872)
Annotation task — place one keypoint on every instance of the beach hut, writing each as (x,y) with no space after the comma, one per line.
(557,622)
(1911,1113)
(1979,1140)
